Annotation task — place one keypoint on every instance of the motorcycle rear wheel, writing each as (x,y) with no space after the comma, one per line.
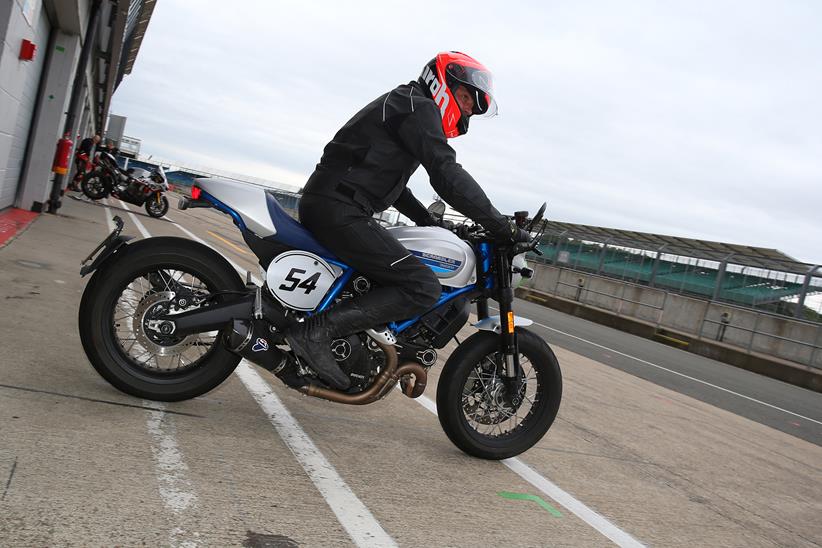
(472,403)
(118,304)
(157,210)
(95,186)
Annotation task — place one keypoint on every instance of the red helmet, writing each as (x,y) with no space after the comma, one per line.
(444,74)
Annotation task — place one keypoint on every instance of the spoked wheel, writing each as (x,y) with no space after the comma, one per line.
(128,343)
(477,406)
(141,336)
(94,185)
(157,209)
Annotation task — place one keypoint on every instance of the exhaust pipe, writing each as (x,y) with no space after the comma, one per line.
(250,339)
(382,384)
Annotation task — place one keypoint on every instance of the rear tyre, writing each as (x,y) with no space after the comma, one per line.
(95,185)
(474,406)
(124,343)
(155,209)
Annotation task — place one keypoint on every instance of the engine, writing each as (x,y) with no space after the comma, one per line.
(355,358)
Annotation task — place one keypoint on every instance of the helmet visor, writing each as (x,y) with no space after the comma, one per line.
(479,82)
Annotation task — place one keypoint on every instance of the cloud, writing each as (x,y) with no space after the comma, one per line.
(695,119)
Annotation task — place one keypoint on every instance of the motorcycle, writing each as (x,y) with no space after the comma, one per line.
(135,186)
(169,319)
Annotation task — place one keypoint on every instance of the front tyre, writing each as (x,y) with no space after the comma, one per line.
(475,408)
(157,206)
(122,338)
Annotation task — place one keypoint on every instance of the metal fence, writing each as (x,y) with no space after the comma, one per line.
(787,288)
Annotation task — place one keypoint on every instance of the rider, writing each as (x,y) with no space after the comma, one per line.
(364,170)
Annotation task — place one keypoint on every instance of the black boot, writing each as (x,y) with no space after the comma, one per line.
(311,340)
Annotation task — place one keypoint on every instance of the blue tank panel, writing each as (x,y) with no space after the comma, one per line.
(292,233)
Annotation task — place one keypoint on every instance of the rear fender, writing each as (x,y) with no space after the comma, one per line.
(107,249)
(108,253)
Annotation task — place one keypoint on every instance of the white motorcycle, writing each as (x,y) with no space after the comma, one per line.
(169,319)
(136,186)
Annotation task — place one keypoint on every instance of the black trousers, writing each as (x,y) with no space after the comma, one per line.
(407,287)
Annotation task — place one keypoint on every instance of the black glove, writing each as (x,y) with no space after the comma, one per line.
(433,221)
(427,221)
(513,234)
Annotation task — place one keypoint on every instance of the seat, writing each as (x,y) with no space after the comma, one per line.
(290,232)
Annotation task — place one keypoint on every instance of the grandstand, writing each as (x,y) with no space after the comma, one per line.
(751,277)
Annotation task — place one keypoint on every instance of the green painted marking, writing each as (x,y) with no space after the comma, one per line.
(60,48)
(523,496)
(51,97)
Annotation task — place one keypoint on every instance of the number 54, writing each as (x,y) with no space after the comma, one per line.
(309,284)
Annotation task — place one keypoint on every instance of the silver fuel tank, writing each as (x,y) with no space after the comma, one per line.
(451,259)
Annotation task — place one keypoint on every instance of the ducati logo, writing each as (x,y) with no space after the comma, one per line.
(438,91)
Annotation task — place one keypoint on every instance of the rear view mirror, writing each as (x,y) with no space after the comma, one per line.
(538,217)
(437,210)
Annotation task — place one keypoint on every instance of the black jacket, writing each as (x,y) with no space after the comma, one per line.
(371,158)
(85,146)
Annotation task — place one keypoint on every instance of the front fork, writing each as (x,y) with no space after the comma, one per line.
(511,371)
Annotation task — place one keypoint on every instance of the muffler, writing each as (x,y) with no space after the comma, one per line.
(251,339)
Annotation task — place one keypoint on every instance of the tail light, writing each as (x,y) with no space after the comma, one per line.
(195,193)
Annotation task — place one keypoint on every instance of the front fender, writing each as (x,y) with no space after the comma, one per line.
(492,323)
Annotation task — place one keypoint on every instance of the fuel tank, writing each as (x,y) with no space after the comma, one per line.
(451,259)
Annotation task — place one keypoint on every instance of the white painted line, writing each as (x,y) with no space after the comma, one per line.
(137,222)
(352,514)
(706,383)
(608,529)
(109,216)
(614,533)
(175,489)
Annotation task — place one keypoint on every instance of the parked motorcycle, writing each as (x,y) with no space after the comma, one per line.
(169,319)
(135,186)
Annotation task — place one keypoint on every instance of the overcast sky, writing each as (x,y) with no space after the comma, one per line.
(700,119)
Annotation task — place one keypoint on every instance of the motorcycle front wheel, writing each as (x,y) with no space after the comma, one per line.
(95,185)
(122,337)
(157,209)
(476,408)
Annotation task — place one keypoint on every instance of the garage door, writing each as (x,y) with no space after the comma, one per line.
(22,89)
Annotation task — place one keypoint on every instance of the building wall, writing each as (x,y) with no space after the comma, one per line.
(49,121)
(19,84)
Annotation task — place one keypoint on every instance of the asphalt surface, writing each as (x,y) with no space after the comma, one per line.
(632,460)
(788,408)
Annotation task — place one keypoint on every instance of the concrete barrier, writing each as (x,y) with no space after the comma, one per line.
(779,347)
